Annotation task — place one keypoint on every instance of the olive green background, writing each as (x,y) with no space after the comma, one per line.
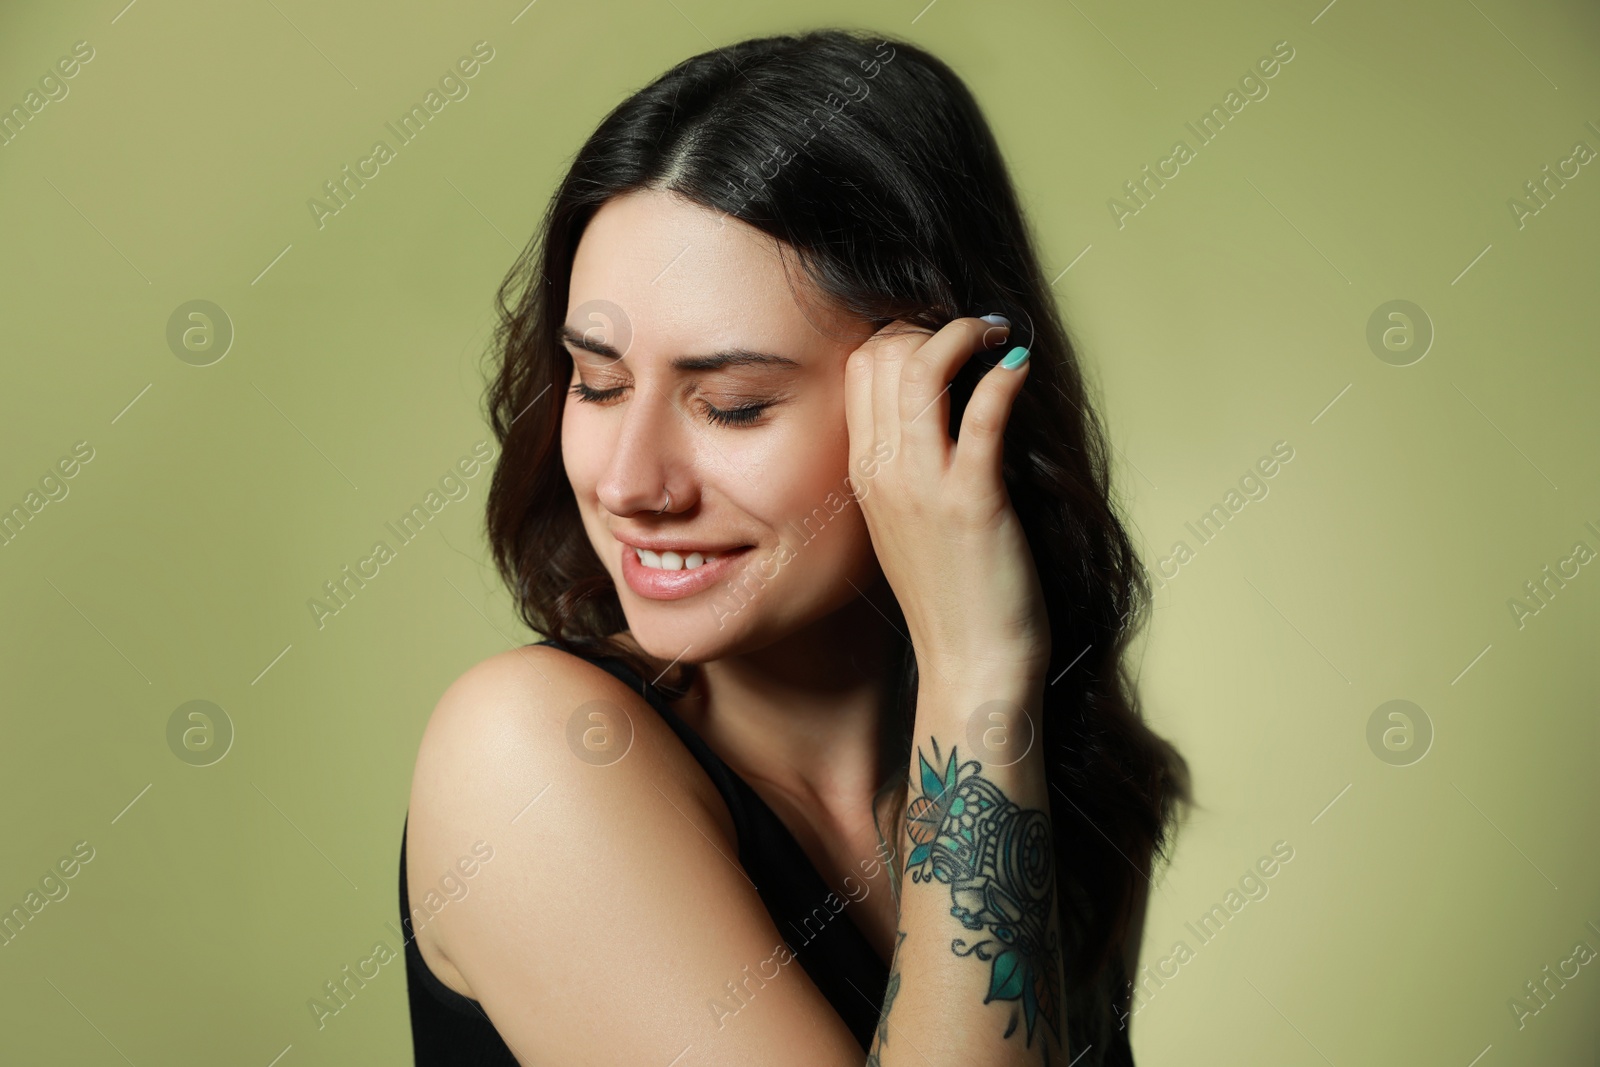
(1225,316)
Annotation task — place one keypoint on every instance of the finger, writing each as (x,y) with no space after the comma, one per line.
(924,406)
(891,346)
(982,432)
(858,404)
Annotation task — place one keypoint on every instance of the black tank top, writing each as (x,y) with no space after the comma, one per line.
(450,1029)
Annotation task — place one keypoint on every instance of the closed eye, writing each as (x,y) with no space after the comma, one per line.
(743,415)
(593,396)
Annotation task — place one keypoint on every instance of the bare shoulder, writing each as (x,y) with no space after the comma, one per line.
(606,910)
(533,719)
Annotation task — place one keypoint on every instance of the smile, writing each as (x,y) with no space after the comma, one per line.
(674,574)
(673,561)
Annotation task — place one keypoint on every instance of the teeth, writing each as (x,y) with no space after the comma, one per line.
(672,561)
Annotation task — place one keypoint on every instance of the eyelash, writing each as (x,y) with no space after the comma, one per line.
(739,416)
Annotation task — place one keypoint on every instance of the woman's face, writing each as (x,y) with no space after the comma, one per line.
(717,385)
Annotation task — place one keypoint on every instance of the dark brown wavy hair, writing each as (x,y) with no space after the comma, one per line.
(869,158)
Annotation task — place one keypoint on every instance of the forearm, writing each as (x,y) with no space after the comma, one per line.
(977,978)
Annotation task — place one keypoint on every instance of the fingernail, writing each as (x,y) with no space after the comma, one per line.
(996,320)
(1015,358)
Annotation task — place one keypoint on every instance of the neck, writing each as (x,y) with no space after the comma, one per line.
(805,714)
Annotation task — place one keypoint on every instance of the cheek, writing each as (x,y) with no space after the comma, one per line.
(581,454)
(809,498)
(584,454)
(794,467)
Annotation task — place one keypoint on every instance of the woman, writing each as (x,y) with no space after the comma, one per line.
(829,598)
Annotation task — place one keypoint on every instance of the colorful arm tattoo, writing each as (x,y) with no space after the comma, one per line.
(999,861)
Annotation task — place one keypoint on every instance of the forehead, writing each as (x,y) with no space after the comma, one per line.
(661,275)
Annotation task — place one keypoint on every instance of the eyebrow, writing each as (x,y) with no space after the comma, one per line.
(711,361)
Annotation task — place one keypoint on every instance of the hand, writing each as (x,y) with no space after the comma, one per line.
(946,534)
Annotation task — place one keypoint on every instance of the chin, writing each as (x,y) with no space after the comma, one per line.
(688,631)
(716,623)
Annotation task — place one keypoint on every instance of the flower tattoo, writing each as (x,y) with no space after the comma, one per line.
(998,860)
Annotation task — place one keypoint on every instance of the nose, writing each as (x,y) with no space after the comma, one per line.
(649,457)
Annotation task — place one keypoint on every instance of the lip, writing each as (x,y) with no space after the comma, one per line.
(655,584)
(651,543)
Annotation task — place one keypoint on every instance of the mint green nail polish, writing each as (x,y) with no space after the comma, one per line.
(1015,358)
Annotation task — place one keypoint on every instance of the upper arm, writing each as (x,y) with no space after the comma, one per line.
(613,915)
